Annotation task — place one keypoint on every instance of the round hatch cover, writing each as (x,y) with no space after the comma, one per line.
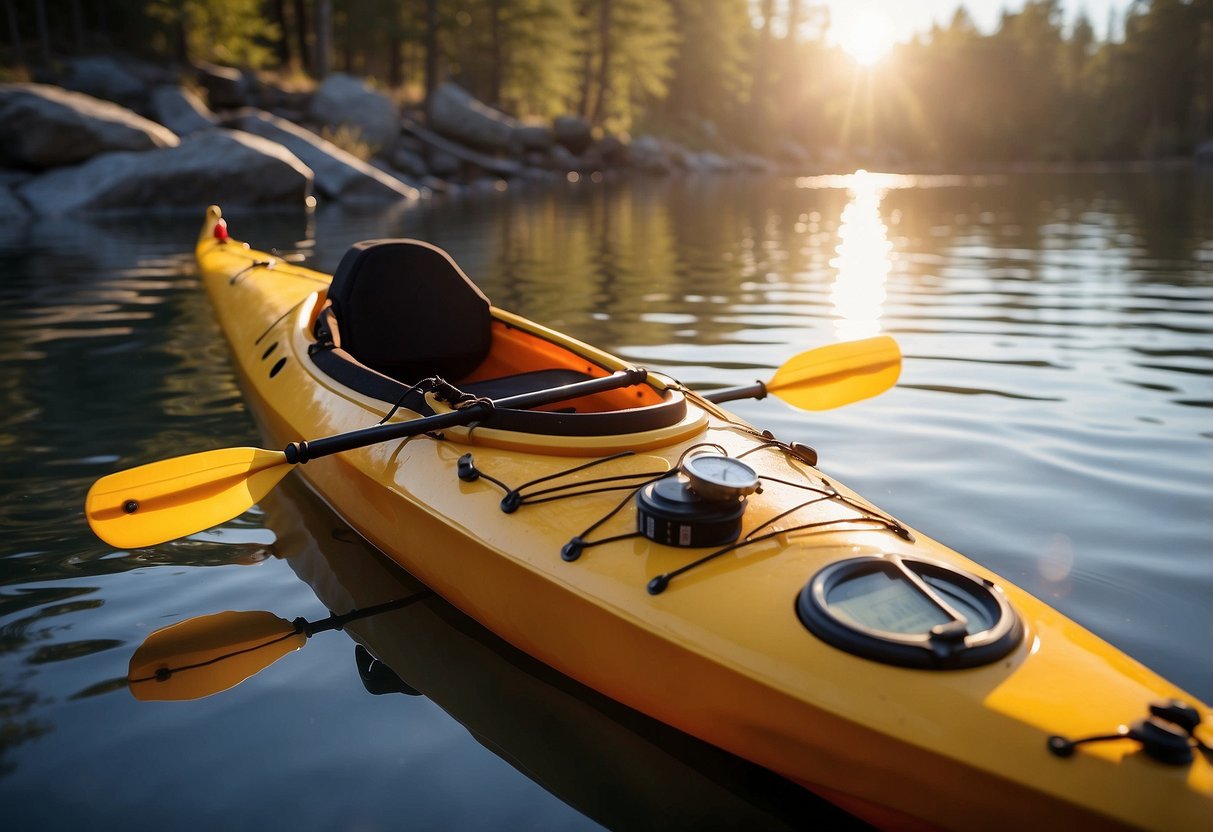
(909,612)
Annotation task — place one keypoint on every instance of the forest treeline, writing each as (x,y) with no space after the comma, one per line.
(746,75)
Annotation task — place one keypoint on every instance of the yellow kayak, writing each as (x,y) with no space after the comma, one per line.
(639,538)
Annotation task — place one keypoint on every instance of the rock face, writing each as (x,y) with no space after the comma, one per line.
(180,110)
(648,154)
(406,159)
(573,133)
(339,175)
(533,137)
(219,166)
(104,77)
(10,206)
(457,115)
(43,127)
(226,88)
(343,100)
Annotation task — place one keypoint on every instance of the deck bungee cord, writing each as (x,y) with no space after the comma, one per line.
(523,494)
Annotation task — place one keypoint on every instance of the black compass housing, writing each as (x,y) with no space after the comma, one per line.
(670,512)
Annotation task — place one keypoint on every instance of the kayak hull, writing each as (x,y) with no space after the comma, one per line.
(721,654)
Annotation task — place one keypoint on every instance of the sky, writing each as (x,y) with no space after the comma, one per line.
(908,17)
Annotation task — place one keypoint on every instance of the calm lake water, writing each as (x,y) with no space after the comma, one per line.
(1054,421)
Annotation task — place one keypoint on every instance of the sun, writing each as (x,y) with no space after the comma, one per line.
(865,35)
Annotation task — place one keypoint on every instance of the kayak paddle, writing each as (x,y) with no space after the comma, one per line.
(213,653)
(175,497)
(827,377)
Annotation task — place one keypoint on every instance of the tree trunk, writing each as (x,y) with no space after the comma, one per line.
(44,36)
(794,15)
(301,30)
(431,50)
(77,27)
(103,26)
(498,59)
(183,39)
(762,63)
(395,45)
(283,47)
(18,51)
(324,36)
(587,65)
(604,64)
(347,42)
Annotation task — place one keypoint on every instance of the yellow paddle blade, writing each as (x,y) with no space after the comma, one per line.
(174,497)
(838,374)
(209,654)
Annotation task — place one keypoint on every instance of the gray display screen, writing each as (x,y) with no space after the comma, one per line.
(880,601)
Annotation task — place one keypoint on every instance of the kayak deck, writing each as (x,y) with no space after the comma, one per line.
(720,653)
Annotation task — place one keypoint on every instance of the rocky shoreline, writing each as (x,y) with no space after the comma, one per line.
(112,135)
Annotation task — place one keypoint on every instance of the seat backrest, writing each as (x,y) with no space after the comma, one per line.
(405,309)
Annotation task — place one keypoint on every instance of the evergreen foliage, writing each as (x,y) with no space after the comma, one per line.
(739,74)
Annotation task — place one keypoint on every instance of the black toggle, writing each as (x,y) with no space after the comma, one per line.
(658,584)
(511,501)
(468,472)
(804,453)
(1168,735)
(572,550)
(1180,713)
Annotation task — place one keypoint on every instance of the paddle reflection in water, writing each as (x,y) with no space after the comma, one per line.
(617,766)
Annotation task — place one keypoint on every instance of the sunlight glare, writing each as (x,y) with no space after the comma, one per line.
(866,35)
(864,259)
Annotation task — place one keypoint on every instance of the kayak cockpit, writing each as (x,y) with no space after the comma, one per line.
(401,311)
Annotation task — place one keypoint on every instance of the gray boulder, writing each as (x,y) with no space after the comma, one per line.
(180,110)
(536,137)
(573,133)
(343,100)
(339,175)
(10,205)
(43,127)
(611,150)
(454,113)
(405,158)
(105,77)
(706,162)
(648,153)
(561,158)
(409,180)
(12,178)
(442,163)
(226,88)
(219,166)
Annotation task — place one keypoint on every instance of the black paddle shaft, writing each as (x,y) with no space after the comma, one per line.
(305,450)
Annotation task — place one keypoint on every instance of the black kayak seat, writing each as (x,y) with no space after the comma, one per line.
(400,311)
(407,310)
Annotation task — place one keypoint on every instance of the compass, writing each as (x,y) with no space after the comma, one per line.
(717,477)
(701,506)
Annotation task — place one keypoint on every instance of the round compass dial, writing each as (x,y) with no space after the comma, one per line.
(718,477)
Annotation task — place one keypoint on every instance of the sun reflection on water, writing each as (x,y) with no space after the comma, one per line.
(864,256)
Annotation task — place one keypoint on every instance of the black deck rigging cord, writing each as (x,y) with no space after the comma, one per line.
(516,496)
